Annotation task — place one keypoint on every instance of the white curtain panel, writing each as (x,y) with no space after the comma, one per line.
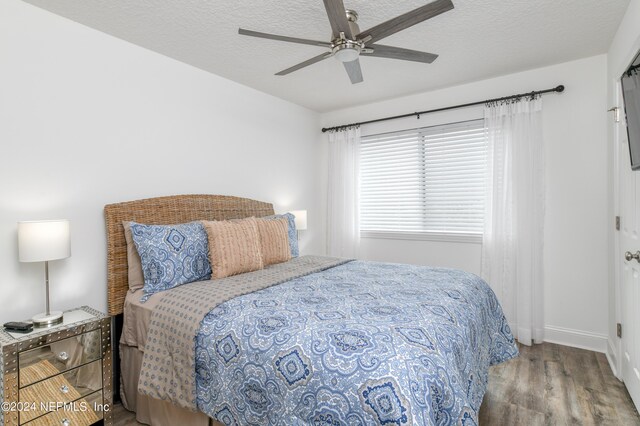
(343,215)
(514,214)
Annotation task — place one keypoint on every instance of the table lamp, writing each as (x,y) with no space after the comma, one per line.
(300,219)
(43,241)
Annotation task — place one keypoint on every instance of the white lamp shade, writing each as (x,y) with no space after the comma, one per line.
(43,240)
(301,219)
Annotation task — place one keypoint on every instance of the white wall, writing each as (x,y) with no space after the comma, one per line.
(575,257)
(624,48)
(87,119)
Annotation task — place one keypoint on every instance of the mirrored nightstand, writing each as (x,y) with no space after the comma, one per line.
(59,375)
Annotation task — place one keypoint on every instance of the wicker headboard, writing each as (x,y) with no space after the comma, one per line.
(164,211)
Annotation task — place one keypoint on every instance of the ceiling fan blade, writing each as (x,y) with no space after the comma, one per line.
(381,51)
(338,18)
(305,63)
(354,71)
(405,21)
(250,33)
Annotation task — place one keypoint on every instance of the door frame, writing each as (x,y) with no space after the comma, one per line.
(614,347)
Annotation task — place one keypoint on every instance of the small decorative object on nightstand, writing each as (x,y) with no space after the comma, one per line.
(42,241)
(60,375)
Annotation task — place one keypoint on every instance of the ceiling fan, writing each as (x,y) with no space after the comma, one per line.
(348,42)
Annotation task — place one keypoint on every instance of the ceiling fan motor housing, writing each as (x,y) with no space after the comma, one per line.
(344,49)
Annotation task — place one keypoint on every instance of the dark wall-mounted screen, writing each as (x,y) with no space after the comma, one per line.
(631,93)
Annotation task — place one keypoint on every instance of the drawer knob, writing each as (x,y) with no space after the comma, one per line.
(64,389)
(65,422)
(63,356)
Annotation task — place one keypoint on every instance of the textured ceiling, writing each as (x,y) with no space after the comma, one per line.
(477,40)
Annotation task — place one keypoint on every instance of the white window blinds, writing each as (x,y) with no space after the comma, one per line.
(428,180)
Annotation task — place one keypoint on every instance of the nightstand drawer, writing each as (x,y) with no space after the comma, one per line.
(59,356)
(83,412)
(45,396)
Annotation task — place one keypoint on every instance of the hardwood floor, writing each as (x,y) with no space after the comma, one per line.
(556,385)
(546,385)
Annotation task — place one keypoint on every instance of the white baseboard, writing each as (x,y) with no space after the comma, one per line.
(576,338)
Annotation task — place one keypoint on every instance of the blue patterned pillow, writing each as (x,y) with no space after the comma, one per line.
(293,235)
(171,255)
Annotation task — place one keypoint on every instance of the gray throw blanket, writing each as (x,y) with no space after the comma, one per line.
(168,366)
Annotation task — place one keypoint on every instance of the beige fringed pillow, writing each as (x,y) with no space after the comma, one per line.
(136,278)
(274,240)
(234,247)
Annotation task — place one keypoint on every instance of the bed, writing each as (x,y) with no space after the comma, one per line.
(312,341)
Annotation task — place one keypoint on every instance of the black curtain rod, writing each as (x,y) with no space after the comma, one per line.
(558,89)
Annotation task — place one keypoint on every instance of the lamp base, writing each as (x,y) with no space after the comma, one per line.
(44,320)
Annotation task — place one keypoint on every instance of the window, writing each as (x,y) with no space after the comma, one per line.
(424,183)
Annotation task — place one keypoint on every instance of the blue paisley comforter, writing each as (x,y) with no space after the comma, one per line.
(363,343)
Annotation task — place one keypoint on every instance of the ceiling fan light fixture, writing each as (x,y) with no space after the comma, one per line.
(347,55)
(347,51)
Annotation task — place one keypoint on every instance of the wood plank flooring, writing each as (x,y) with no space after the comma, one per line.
(546,385)
(556,385)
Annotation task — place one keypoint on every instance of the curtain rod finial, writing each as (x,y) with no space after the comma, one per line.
(560,89)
